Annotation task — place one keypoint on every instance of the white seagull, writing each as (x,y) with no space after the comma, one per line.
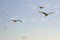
(16,20)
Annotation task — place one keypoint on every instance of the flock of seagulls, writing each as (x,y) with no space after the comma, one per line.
(44,13)
(18,20)
(40,7)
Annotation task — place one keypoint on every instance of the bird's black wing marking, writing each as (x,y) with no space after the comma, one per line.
(19,20)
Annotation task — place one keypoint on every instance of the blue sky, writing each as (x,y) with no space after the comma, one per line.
(35,26)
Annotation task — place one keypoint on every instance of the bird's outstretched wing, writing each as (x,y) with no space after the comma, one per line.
(46,14)
(20,20)
(51,12)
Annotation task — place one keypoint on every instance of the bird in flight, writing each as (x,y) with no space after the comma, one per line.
(23,37)
(41,7)
(16,20)
(46,14)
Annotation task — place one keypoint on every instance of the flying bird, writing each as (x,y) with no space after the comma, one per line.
(46,14)
(23,37)
(16,20)
(41,7)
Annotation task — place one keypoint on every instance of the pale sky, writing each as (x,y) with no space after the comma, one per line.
(35,26)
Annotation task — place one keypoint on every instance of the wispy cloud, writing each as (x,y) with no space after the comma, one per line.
(35,19)
(57,6)
(58,21)
(38,19)
(15,17)
(34,7)
(1,19)
(52,6)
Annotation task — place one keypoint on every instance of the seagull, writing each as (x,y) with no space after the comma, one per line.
(46,14)
(16,20)
(41,7)
(23,37)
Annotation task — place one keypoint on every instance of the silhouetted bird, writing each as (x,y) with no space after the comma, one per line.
(23,37)
(15,20)
(46,14)
(41,7)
